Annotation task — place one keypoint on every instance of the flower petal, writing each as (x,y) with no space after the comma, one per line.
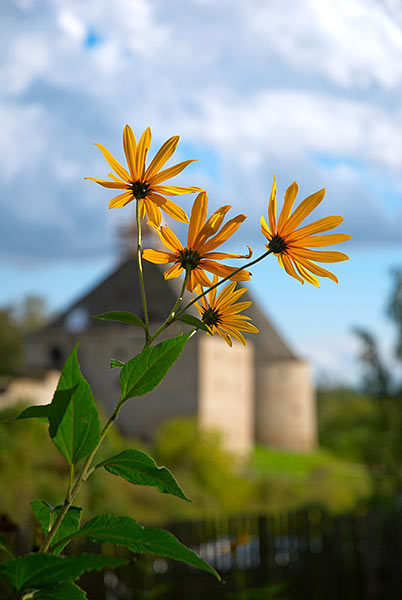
(212,293)
(272,208)
(302,211)
(224,255)
(316,269)
(116,166)
(142,209)
(288,266)
(170,239)
(191,282)
(234,332)
(320,240)
(225,293)
(225,336)
(212,225)
(290,197)
(241,325)
(201,278)
(226,302)
(238,307)
(111,184)
(168,173)
(307,276)
(325,256)
(153,212)
(227,230)
(141,153)
(158,256)
(174,190)
(130,148)
(319,226)
(197,218)
(225,270)
(162,156)
(116,179)
(121,200)
(265,229)
(174,271)
(170,208)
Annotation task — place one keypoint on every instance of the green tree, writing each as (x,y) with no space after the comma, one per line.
(10,343)
(15,322)
(31,313)
(384,453)
(346,418)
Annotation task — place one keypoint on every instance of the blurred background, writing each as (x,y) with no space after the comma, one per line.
(309,90)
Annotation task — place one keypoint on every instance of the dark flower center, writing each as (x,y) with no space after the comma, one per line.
(140,189)
(277,245)
(211,317)
(189,259)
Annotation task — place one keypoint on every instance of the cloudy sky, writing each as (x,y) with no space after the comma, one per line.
(307,89)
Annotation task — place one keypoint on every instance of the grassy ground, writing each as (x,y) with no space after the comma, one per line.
(319,476)
(270,481)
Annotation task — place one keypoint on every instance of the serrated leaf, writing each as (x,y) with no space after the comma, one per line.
(42,511)
(194,322)
(144,372)
(64,591)
(45,570)
(4,549)
(122,317)
(73,418)
(47,514)
(116,364)
(125,531)
(40,412)
(139,468)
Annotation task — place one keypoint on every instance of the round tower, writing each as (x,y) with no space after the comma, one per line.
(285,405)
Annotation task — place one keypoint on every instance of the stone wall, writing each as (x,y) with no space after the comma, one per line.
(285,410)
(226,391)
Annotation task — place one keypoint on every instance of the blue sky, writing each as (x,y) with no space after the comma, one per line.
(306,89)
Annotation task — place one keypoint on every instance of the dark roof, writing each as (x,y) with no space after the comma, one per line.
(120,291)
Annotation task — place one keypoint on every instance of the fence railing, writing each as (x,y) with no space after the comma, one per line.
(315,555)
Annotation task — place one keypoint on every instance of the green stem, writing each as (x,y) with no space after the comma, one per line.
(72,490)
(250,264)
(140,272)
(172,314)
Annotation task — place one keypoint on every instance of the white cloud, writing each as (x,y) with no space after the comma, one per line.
(264,88)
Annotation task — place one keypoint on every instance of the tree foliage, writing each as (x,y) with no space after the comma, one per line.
(384,386)
(16,321)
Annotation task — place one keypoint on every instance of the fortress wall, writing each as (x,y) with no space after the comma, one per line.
(226,391)
(176,396)
(285,409)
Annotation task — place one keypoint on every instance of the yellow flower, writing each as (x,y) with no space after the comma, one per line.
(202,239)
(221,313)
(291,245)
(144,184)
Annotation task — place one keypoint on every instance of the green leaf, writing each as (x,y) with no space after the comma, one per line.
(64,591)
(141,469)
(47,514)
(125,531)
(122,317)
(40,412)
(43,570)
(116,364)
(194,322)
(4,549)
(145,371)
(73,419)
